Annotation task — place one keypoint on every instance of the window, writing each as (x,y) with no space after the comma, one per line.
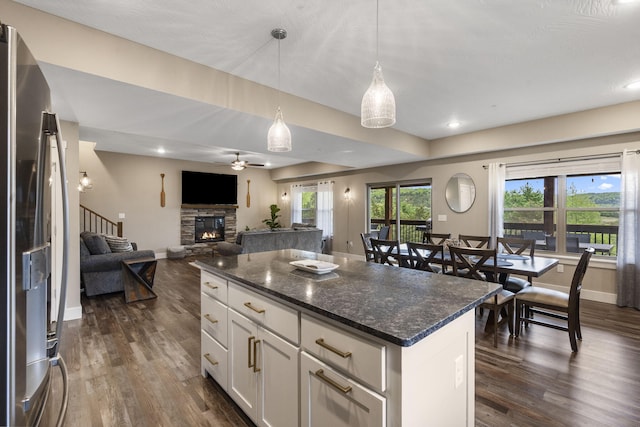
(565,212)
(414,216)
(313,204)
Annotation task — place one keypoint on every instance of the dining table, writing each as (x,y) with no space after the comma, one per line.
(507,264)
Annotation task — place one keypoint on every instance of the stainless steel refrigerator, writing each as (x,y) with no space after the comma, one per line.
(27,129)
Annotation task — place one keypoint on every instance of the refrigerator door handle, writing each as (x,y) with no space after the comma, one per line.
(51,127)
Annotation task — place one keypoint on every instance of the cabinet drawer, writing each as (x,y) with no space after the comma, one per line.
(214,286)
(214,318)
(213,359)
(328,398)
(272,315)
(361,359)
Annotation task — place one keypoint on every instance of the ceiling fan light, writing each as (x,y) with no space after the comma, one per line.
(237,166)
(378,109)
(279,136)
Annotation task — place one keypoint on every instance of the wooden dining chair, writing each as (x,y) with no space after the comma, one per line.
(480,264)
(366,245)
(435,238)
(386,251)
(555,304)
(475,241)
(426,257)
(516,246)
(383,233)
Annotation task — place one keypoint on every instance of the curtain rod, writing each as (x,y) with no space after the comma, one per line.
(563,159)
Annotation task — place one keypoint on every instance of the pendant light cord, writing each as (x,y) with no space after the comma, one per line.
(377,30)
(278,73)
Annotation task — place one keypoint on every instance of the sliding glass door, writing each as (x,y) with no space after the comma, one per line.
(407,223)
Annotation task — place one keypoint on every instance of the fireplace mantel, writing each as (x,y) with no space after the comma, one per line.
(209,207)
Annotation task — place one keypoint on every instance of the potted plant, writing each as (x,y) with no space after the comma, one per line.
(272,222)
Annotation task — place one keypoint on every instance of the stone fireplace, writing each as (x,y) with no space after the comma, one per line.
(219,221)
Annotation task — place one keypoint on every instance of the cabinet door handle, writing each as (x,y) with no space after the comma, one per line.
(255,356)
(343,354)
(210,319)
(210,286)
(257,310)
(342,388)
(209,359)
(249,364)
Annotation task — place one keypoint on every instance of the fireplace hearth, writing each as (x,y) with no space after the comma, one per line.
(209,229)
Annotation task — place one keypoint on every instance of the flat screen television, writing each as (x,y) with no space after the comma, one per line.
(203,188)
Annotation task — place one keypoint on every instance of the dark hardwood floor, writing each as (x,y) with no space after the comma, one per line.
(138,364)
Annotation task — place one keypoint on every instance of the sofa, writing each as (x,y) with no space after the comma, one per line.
(303,238)
(101,262)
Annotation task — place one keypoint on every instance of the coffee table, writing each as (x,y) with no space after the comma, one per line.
(138,275)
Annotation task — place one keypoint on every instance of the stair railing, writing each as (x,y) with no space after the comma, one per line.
(93,221)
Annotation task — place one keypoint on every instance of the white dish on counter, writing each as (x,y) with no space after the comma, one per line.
(314,266)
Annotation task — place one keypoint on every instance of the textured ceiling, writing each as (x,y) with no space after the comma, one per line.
(483,63)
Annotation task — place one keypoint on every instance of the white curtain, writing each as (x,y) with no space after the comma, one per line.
(325,213)
(496,201)
(296,203)
(628,254)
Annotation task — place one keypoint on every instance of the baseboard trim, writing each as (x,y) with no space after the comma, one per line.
(73,313)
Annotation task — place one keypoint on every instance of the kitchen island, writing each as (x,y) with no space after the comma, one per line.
(365,344)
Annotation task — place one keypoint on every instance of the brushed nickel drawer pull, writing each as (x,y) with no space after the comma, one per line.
(255,356)
(210,319)
(209,359)
(249,364)
(342,388)
(257,310)
(209,285)
(343,354)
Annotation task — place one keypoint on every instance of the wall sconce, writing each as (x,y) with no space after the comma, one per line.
(284,197)
(347,194)
(85,182)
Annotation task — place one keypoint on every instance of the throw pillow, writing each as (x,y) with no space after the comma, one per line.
(96,244)
(118,244)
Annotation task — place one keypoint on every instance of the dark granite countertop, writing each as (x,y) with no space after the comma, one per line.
(399,305)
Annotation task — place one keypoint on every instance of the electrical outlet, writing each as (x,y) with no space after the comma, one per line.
(560,268)
(120,216)
(459,370)
(442,217)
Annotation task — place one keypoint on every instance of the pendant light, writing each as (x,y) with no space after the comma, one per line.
(378,109)
(279,136)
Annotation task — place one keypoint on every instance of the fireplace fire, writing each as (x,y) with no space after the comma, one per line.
(209,229)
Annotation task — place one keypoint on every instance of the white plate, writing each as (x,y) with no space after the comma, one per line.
(314,266)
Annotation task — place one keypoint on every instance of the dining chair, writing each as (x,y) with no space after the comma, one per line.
(516,246)
(555,304)
(573,244)
(480,264)
(435,238)
(366,245)
(426,257)
(386,251)
(383,232)
(475,241)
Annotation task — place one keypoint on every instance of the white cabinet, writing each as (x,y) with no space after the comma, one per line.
(329,398)
(213,328)
(263,378)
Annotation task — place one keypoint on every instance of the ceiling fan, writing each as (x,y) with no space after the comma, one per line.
(239,165)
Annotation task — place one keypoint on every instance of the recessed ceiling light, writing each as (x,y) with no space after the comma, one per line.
(623,1)
(453,125)
(633,85)
(161,150)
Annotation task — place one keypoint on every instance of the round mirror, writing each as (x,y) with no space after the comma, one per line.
(460,192)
